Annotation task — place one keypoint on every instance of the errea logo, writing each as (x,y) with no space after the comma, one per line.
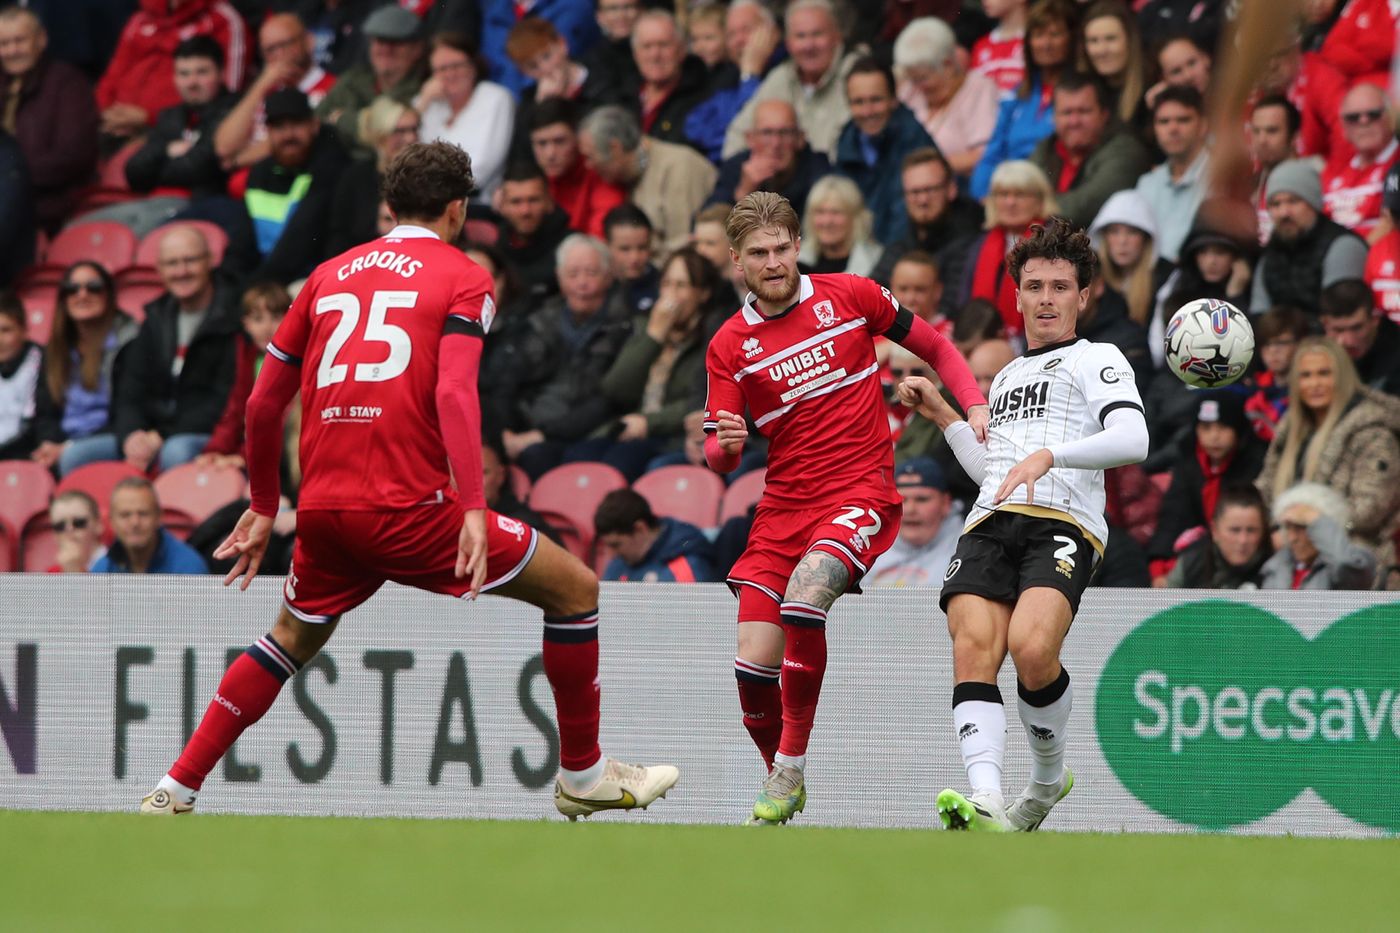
(751,348)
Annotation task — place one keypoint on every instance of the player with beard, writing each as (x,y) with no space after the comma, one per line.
(1061,415)
(800,356)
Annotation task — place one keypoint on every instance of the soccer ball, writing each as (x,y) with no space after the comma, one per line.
(1209,343)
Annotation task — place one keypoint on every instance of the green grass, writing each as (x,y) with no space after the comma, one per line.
(61,871)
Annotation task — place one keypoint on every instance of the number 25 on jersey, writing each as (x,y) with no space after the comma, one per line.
(377,330)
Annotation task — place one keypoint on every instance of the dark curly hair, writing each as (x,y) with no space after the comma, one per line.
(1057,239)
(426,177)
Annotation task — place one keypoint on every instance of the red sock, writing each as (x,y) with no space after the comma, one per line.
(571,664)
(804,666)
(761,699)
(247,691)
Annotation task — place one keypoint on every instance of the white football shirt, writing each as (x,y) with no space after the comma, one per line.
(1054,394)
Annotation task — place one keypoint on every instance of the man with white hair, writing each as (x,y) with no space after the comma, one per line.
(1351,189)
(667,181)
(1315,553)
(668,82)
(812,79)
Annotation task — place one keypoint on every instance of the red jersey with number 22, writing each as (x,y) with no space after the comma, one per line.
(810,381)
(365,330)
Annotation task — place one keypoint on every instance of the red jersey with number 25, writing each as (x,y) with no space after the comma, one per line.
(365,330)
(810,381)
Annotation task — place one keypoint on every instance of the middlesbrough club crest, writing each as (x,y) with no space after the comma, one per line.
(826,314)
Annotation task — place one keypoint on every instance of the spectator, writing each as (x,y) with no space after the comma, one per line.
(1026,115)
(1232,555)
(1182,62)
(656,375)
(1315,553)
(386,128)
(53,114)
(542,55)
(988,358)
(77,526)
(459,107)
(578,190)
(531,228)
(957,107)
(396,67)
(1273,138)
(1383,258)
(1174,190)
(1277,333)
(143,545)
(1105,320)
(290,193)
(500,354)
(73,401)
(1111,49)
(872,146)
(176,375)
(836,230)
(21,361)
(1352,189)
(1021,196)
(812,79)
(978,322)
(571,343)
(287,53)
(668,182)
(1307,251)
(1317,91)
(501,497)
(917,285)
(337,28)
(1091,155)
(178,160)
(629,236)
(1343,435)
(709,239)
(778,159)
(752,40)
(1213,264)
(1161,19)
(1126,232)
(941,220)
(264,306)
(609,61)
(667,83)
(704,36)
(137,84)
(928,533)
(571,19)
(648,549)
(1360,42)
(1350,317)
(999,54)
(1223,452)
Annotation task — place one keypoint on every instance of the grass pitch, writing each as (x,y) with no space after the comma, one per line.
(81,871)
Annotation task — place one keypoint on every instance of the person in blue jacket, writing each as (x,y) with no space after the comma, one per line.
(142,545)
(647,548)
(570,18)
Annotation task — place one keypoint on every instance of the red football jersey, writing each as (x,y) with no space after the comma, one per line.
(811,383)
(1351,191)
(365,330)
(1000,57)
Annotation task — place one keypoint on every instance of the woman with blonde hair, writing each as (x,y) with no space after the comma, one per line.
(1125,233)
(1111,47)
(1341,434)
(836,230)
(958,107)
(385,127)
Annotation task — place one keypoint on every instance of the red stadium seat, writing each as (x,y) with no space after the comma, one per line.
(40,546)
(149,250)
(683,492)
(112,186)
(9,549)
(519,483)
(102,241)
(198,492)
(741,494)
(98,480)
(25,490)
(133,299)
(39,301)
(568,495)
(482,231)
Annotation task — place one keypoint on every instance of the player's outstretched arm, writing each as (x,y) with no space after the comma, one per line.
(938,351)
(923,396)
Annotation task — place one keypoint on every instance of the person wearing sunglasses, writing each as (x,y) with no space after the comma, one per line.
(1314,552)
(77,524)
(1352,188)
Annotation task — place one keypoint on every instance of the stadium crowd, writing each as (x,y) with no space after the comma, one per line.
(167,184)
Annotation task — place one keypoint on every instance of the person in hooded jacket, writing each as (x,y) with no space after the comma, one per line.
(650,549)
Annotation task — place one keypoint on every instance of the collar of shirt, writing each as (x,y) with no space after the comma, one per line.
(1385,156)
(412,232)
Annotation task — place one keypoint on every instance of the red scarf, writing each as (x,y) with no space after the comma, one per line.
(1210,489)
(1069,169)
(990,281)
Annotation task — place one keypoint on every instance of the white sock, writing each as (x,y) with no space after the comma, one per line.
(1045,714)
(790,761)
(581,782)
(177,790)
(979,718)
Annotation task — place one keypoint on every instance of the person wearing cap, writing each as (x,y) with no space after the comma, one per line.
(928,533)
(1222,451)
(1351,188)
(1273,137)
(397,67)
(1307,250)
(1174,190)
(290,193)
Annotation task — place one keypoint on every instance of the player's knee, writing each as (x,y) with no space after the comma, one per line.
(1037,658)
(579,591)
(302,640)
(761,643)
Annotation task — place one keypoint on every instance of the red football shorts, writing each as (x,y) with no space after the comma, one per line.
(855,533)
(342,558)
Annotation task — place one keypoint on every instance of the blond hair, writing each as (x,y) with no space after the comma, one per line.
(1134,282)
(841,193)
(759,211)
(1020,175)
(1304,433)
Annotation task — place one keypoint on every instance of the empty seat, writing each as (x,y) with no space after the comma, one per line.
(568,495)
(25,490)
(688,493)
(198,492)
(102,241)
(741,494)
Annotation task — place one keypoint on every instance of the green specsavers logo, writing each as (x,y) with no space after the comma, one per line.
(1217,714)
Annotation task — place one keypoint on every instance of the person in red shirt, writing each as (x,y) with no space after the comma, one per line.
(1383,261)
(383,342)
(1351,187)
(999,54)
(580,191)
(800,357)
